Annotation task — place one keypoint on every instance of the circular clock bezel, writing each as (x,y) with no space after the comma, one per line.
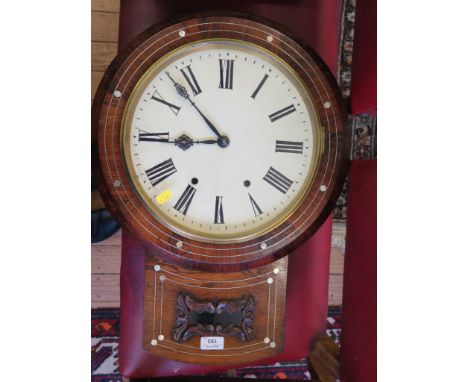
(125,204)
(125,140)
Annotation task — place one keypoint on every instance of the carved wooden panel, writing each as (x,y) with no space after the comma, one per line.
(183,306)
(203,318)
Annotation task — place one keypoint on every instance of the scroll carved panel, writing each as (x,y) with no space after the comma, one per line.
(224,318)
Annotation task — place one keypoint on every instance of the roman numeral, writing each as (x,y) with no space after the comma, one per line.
(226,72)
(278,180)
(191,80)
(289,147)
(160,172)
(260,85)
(256,208)
(175,109)
(219,215)
(282,113)
(143,136)
(184,201)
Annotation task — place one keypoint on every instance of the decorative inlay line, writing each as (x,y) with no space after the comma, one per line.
(154,305)
(162,295)
(216,281)
(268,315)
(214,355)
(221,288)
(195,347)
(274,317)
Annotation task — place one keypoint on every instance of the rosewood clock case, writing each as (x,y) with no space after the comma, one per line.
(120,197)
(196,289)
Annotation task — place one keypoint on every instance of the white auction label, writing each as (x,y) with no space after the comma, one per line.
(212,343)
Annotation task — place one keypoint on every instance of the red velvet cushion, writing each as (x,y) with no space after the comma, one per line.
(316,21)
(358,358)
(306,308)
(364,80)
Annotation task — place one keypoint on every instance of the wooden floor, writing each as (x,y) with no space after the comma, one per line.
(106,255)
(104,37)
(105,266)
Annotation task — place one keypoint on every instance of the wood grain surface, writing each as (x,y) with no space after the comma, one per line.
(104,26)
(104,38)
(105,272)
(105,5)
(102,54)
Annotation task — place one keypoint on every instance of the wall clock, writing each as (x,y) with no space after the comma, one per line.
(221,147)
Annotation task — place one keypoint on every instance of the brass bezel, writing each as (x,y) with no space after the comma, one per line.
(317,133)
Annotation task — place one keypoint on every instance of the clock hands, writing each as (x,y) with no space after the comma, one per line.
(222,141)
(184,141)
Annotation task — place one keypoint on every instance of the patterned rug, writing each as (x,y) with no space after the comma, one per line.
(105,351)
(105,327)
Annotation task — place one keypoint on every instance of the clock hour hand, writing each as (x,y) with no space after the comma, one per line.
(184,141)
(222,141)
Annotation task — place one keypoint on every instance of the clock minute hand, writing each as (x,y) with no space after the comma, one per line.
(210,125)
(180,89)
(223,141)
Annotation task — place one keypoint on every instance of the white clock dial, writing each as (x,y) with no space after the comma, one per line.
(220,140)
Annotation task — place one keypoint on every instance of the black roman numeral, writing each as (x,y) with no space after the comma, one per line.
(175,109)
(191,80)
(260,85)
(160,172)
(143,136)
(256,208)
(184,201)
(278,180)
(282,113)
(226,72)
(219,215)
(289,147)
